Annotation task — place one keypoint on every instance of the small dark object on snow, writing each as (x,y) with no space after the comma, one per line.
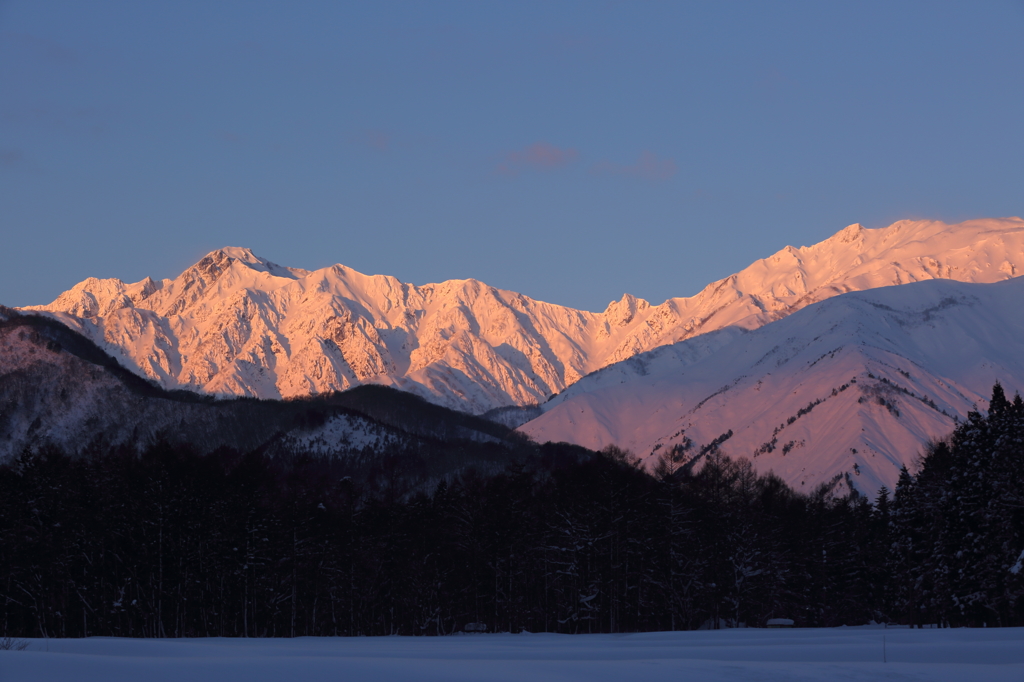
(779,623)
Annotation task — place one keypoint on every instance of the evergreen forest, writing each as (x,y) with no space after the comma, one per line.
(171,543)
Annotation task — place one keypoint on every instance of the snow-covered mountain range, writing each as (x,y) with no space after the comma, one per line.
(237,324)
(849,389)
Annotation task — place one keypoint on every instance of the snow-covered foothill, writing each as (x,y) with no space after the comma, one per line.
(847,391)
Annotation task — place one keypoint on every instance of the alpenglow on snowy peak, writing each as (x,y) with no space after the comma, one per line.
(237,324)
(844,392)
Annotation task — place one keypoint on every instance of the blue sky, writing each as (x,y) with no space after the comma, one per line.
(569,151)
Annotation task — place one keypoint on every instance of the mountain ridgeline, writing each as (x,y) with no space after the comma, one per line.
(237,324)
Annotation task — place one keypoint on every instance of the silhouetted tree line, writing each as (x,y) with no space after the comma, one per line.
(957,527)
(175,544)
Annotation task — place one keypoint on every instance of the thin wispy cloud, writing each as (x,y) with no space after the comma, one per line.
(229,136)
(648,167)
(773,84)
(375,139)
(11,157)
(538,156)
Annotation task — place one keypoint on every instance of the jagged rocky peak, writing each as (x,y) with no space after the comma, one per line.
(142,289)
(211,265)
(240,253)
(92,297)
(623,311)
(215,264)
(850,233)
(246,256)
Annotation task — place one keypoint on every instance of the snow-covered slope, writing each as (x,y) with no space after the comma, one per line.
(850,387)
(236,324)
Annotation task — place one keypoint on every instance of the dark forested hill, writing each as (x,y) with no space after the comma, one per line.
(58,390)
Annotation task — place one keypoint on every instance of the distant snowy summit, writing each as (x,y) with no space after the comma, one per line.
(236,324)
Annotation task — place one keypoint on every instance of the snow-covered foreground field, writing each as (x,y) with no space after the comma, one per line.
(831,655)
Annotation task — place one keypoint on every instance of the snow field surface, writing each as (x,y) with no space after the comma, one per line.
(992,654)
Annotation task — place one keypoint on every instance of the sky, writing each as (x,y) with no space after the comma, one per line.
(570,151)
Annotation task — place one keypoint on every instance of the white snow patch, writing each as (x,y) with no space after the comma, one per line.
(1019,565)
(341,434)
